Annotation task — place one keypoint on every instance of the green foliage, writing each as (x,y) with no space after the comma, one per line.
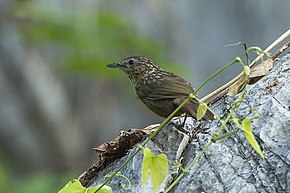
(247,128)
(156,165)
(74,186)
(88,40)
(201,110)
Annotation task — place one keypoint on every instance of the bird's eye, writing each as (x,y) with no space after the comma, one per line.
(131,61)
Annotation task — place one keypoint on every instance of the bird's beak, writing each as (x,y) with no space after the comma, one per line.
(115,65)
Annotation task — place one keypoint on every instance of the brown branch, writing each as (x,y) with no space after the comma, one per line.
(281,50)
(115,149)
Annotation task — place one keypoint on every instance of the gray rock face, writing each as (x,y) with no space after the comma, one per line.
(231,165)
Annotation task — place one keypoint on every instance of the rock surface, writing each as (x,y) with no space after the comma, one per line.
(231,165)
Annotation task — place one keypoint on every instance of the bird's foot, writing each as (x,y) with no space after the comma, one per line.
(180,125)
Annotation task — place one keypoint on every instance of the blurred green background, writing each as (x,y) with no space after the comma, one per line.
(57,98)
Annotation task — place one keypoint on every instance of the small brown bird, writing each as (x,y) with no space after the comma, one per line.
(162,92)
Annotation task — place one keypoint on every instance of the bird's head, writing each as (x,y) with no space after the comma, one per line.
(136,67)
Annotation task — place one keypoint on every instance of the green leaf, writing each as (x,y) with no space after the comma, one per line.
(159,170)
(147,162)
(104,189)
(201,110)
(75,186)
(157,165)
(247,128)
(247,70)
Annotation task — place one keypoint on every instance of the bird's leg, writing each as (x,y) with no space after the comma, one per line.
(200,127)
(180,127)
(184,120)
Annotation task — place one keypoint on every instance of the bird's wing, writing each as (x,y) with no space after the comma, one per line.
(169,93)
(168,88)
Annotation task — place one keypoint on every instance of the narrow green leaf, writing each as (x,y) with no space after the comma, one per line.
(146,164)
(247,128)
(159,170)
(201,110)
(247,70)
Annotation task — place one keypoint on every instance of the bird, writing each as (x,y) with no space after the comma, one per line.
(161,91)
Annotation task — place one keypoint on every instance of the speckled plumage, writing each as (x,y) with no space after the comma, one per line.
(161,91)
